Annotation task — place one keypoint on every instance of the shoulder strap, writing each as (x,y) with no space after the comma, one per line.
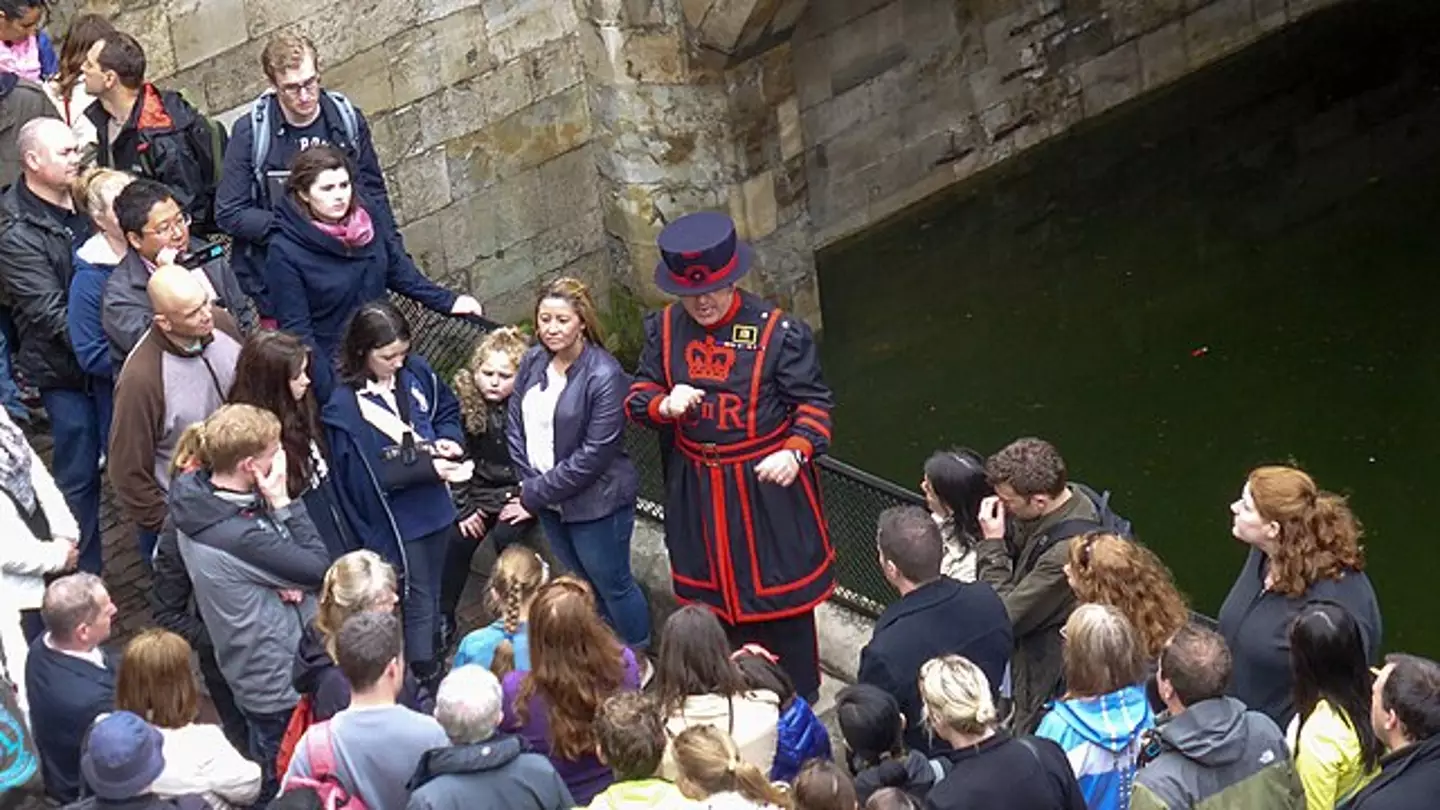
(260,136)
(382,419)
(348,117)
(320,750)
(1030,746)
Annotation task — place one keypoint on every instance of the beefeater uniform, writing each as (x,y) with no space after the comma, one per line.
(758,554)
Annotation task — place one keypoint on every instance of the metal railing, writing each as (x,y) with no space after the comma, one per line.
(853,498)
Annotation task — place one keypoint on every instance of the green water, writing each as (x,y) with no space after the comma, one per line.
(1241,270)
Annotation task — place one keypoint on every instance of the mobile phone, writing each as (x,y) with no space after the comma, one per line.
(198,258)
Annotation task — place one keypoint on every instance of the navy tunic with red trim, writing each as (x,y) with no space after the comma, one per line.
(751,551)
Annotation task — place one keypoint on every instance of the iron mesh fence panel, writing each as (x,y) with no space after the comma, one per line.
(853,498)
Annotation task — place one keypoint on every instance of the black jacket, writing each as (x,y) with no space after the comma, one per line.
(938,618)
(172,596)
(315,673)
(498,769)
(66,695)
(914,773)
(1005,772)
(36,265)
(166,140)
(495,480)
(1409,780)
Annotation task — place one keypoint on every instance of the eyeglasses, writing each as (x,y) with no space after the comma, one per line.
(297,89)
(174,226)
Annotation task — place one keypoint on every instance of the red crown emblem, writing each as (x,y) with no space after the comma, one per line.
(708,361)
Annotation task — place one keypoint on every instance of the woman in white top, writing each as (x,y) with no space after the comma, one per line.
(700,685)
(67,88)
(156,683)
(37,537)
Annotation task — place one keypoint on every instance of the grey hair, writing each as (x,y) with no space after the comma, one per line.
(468,704)
(37,132)
(69,602)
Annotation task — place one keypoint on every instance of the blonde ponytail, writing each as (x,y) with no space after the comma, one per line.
(709,762)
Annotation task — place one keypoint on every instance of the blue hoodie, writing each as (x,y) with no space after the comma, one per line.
(1101,738)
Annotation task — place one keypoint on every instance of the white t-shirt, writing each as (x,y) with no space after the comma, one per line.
(538,410)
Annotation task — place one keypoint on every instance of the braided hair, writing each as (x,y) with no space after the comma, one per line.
(518,575)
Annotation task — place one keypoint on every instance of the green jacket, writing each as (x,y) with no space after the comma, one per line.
(642,794)
(1039,600)
(1219,756)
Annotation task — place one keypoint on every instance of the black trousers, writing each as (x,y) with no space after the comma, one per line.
(461,554)
(794,641)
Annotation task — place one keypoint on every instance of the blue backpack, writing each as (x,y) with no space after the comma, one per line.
(1107,520)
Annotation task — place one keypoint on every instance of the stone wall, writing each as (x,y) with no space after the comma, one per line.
(901,98)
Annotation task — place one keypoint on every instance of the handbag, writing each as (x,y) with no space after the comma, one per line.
(410,461)
(19,760)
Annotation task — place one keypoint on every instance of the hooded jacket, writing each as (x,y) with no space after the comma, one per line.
(801,738)
(239,555)
(316,674)
(95,260)
(642,794)
(498,769)
(21,101)
(1217,755)
(1102,738)
(914,773)
(316,283)
(1005,772)
(1409,780)
(36,265)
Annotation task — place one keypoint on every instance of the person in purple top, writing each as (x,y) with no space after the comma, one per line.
(576,663)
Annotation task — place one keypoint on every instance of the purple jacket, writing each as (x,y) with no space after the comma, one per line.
(585,777)
(592,477)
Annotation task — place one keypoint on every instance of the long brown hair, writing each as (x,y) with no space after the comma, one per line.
(267,364)
(518,576)
(695,659)
(85,30)
(1111,570)
(575,663)
(155,680)
(508,341)
(709,762)
(574,292)
(1319,535)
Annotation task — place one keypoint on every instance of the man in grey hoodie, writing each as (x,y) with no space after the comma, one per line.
(1209,750)
(255,560)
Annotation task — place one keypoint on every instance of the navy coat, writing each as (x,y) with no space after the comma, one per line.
(938,618)
(355,450)
(316,283)
(592,476)
(66,695)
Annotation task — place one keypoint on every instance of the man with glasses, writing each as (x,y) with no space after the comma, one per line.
(295,114)
(158,231)
(150,132)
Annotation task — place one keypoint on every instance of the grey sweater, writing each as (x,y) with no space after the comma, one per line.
(377,750)
(239,556)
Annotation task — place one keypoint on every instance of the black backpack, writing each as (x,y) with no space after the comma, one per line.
(1107,520)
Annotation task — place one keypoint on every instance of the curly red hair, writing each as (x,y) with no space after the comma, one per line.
(1319,535)
(1110,570)
(575,664)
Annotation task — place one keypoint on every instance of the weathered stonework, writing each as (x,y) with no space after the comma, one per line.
(524,138)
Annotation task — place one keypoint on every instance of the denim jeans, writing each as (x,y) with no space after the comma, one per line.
(9,390)
(266,732)
(145,542)
(599,551)
(424,573)
(75,426)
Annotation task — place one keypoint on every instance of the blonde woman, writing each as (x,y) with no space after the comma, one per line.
(156,683)
(986,766)
(358,582)
(713,773)
(94,194)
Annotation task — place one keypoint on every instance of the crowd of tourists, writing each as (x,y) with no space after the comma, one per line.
(205,317)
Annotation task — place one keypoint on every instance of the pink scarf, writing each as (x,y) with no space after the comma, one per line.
(21,58)
(354,231)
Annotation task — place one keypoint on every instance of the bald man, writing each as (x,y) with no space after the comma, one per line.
(38,231)
(178,374)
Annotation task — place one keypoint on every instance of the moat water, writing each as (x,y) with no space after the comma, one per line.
(1241,269)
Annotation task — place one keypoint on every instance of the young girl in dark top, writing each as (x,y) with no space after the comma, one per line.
(874,731)
(273,373)
(483,388)
(802,737)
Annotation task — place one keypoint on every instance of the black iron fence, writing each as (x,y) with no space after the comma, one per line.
(853,498)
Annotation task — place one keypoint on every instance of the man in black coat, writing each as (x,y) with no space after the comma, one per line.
(39,229)
(934,616)
(1405,711)
(69,677)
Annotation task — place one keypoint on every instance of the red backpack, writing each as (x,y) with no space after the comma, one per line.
(300,720)
(324,779)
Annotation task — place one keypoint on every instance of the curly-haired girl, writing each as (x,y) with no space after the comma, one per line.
(1110,570)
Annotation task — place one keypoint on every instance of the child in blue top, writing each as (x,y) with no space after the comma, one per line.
(504,645)
(802,737)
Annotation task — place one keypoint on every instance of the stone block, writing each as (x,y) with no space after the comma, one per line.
(365,79)
(150,25)
(1218,29)
(1131,18)
(425,241)
(754,207)
(265,16)
(824,16)
(201,29)
(792,134)
(867,48)
(232,78)
(1162,55)
(696,10)
(548,128)
(663,133)
(629,212)
(1299,8)
(421,184)
(863,145)
(928,25)
(812,71)
(397,135)
(630,13)
(516,27)
(555,66)
(1111,79)
(1270,14)
(569,187)
(431,57)
(726,21)
(429,11)
(475,103)
(358,25)
(826,121)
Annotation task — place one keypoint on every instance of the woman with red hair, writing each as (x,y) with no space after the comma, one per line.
(1304,548)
